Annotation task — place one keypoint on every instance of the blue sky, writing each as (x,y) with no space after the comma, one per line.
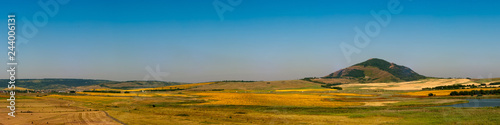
(258,40)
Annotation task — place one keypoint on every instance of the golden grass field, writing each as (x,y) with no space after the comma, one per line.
(411,85)
(443,92)
(306,90)
(19,88)
(186,86)
(130,94)
(53,111)
(272,99)
(346,94)
(260,85)
(274,102)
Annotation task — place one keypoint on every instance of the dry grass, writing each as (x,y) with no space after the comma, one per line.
(131,94)
(271,99)
(260,85)
(221,115)
(306,90)
(52,111)
(346,94)
(88,98)
(108,89)
(186,86)
(379,103)
(442,92)
(90,87)
(411,85)
(19,88)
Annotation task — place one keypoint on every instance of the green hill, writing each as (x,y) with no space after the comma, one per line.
(62,84)
(377,70)
(137,84)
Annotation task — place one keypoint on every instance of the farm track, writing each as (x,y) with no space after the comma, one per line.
(50,111)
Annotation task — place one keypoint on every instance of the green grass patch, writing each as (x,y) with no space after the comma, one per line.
(357,116)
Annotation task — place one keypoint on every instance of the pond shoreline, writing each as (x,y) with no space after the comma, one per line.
(476,103)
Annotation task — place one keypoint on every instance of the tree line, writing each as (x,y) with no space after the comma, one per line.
(476,92)
(495,83)
(325,85)
(447,87)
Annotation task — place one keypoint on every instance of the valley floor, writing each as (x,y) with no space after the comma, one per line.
(308,104)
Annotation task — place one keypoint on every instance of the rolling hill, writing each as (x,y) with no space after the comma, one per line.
(376,70)
(63,84)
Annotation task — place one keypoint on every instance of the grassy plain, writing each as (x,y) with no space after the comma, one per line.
(276,102)
(443,92)
(411,85)
(36,110)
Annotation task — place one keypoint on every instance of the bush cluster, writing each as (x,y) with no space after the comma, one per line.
(476,92)
(447,87)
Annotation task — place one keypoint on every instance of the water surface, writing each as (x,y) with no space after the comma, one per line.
(478,103)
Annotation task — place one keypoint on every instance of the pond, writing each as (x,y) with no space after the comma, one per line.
(478,103)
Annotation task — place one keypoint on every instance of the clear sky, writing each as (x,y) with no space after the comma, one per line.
(257,40)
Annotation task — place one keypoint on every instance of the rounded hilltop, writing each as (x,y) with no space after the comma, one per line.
(376,70)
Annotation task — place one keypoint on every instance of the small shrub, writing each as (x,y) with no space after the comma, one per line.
(181,115)
(338,88)
(357,116)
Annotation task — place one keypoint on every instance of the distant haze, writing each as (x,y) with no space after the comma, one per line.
(258,40)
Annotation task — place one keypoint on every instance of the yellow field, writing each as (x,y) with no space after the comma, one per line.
(260,85)
(108,89)
(271,100)
(305,90)
(410,85)
(130,94)
(43,111)
(346,94)
(186,86)
(88,98)
(19,88)
(442,92)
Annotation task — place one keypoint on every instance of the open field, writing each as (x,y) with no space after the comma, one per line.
(411,85)
(486,80)
(272,100)
(443,92)
(261,85)
(129,94)
(186,86)
(279,102)
(306,90)
(53,111)
(173,87)
(19,88)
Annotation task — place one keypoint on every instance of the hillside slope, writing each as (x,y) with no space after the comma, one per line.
(63,84)
(377,70)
